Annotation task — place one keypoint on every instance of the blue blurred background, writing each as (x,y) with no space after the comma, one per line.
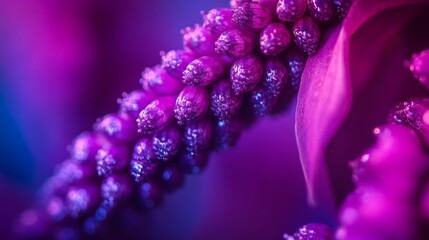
(64,63)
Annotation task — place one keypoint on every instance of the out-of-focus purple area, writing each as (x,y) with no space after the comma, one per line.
(64,63)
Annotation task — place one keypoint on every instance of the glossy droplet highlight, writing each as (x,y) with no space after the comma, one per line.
(291,10)
(246,73)
(306,34)
(274,39)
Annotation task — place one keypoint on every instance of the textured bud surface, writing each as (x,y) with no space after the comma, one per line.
(175,62)
(157,115)
(110,160)
(321,10)
(198,136)
(236,43)
(252,16)
(218,20)
(224,103)
(143,164)
(204,70)
(199,40)
(191,104)
(157,80)
(306,34)
(275,76)
(262,101)
(132,103)
(119,127)
(166,143)
(274,39)
(246,73)
(291,10)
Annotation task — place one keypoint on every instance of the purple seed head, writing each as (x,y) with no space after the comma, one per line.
(419,66)
(110,160)
(312,231)
(291,10)
(246,73)
(157,80)
(118,127)
(157,115)
(275,76)
(166,143)
(224,103)
(236,43)
(132,103)
(172,178)
(199,40)
(296,60)
(150,194)
(204,70)
(175,62)
(85,146)
(415,114)
(321,10)
(80,200)
(191,104)
(143,164)
(198,136)
(218,20)
(342,7)
(274,39)
(193,163)
(237,3)
(252,16)
(227,133)
(262,101)
(306,34)
(116,188)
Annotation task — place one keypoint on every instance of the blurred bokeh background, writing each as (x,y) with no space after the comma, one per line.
(64,63)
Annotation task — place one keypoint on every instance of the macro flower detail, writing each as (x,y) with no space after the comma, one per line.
(143,163)
(275,76)
(224,103)
(306,34)
(176,61)
(166,143)
(218,20)
(191,104)
(321,10)
(419,66)
(157,115)
(203,71)
(156,80)
(110,160)
(236,43)
(199,40)
(252,16)
(311,231)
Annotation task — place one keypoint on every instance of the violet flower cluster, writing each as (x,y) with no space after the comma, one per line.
(235,66)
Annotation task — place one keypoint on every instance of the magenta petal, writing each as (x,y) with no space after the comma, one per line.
(326,91)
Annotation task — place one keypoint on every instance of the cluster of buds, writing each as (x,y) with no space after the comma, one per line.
(194,102)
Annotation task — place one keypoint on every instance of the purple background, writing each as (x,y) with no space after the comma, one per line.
(64,63)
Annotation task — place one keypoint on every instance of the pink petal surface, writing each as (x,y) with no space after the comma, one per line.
(327,88)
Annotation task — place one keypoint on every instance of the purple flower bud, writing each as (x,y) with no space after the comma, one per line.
(262,101)
(172,178)
(110,160)
(71,171)
(199,40)
(119,127)
(157,80)
(116,188)
(321,10)
(291,10)
(218,20)
(419,66)
(150,194)
(306,34)
(246,73)
(204,70)
(191,104)
(415,114)
(193,163)
(143,164)
(236,43)
(198,136)
(132,103)
(80,200)
(175,62)
(227,133)
(312,231)
(274,39)
(224,104)
(56,209)
(157,115)
(342,7)
(275,76)
(166,142)
(252,16)
(86,145)
(296,61)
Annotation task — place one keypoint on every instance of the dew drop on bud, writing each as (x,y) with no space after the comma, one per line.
(275,76)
